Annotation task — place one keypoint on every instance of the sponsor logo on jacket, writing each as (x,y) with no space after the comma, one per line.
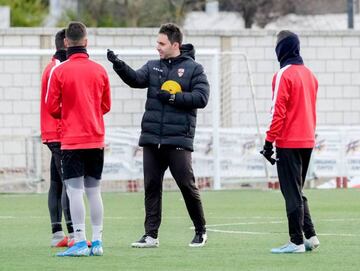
(180,72)
(157,69)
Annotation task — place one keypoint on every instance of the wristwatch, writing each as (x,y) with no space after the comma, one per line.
(172,99)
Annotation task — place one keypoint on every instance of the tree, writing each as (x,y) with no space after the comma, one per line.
(179,8)
(132,13)
(259,11)
(26,12)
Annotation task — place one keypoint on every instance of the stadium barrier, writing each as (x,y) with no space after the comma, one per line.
(337,153)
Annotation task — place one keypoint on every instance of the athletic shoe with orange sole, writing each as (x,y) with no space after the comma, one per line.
(59,241)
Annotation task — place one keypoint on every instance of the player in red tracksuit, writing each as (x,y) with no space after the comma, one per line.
(292,129)
(79,94)
(58,201)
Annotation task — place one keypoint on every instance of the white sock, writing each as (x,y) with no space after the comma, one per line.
(97,233)
(79,232)
(59,234)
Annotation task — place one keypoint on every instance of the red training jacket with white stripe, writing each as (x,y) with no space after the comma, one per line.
(293,111)
(79,94)
(50,127)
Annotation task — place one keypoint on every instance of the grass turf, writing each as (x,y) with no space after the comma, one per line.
(251,223)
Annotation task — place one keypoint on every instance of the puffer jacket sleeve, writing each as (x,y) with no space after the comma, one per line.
(200,90)
(134,79)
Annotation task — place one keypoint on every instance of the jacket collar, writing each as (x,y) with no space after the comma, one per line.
(76,50)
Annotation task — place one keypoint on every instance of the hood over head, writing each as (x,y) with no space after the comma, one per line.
(288,49)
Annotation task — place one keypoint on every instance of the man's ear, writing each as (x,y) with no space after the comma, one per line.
(85,42)
(176,45)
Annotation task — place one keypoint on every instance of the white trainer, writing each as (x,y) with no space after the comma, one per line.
(59,239)
(199,239)
(289,248)
(146,242)
(311,243)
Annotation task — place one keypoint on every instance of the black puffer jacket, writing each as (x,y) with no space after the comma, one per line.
(169,124)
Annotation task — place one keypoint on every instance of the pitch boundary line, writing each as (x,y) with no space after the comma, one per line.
(279,220)
(268,233)
(210,228)
(245,223)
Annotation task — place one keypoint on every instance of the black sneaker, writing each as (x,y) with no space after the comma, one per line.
(199,240)
(146,242)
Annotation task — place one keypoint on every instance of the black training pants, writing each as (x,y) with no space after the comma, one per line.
(156,161)
(58,201)
(292,166)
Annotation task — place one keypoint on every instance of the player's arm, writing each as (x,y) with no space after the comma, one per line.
(199,95)
(53,96)
(106,98)
(134,79)
(278,110)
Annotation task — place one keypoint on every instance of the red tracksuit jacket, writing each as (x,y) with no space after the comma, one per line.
(293,112)
(50,130)
(79,94)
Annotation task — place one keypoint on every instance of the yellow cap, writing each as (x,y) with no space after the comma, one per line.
(171,86)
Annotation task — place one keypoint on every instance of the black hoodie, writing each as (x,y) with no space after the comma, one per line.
(167,124)
(288,51)
(60,55)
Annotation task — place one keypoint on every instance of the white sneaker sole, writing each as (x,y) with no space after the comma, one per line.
(198,245)
(139,245)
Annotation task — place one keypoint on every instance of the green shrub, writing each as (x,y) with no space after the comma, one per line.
(26,12)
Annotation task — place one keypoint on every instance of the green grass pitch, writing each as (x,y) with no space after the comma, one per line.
(243,225)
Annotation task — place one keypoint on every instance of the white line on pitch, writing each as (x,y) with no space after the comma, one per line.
(240,232)
(245,223)
(338,219)
(339,234)
(267,233)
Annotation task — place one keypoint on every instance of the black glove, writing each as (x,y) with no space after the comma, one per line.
(166,97)
(113,58)
(267,151)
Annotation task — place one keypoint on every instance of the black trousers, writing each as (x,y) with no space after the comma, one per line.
(292,166)
(156,161)
(58,200)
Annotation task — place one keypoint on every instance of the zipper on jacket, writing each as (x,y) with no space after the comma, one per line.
(161,123)
(163,106)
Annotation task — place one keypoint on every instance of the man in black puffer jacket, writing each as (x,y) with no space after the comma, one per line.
(168,126)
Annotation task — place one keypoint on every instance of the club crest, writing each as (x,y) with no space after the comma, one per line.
(180,72)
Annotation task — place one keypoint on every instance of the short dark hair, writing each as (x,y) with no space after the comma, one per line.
(59,40)
(75,31)
(172,31)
